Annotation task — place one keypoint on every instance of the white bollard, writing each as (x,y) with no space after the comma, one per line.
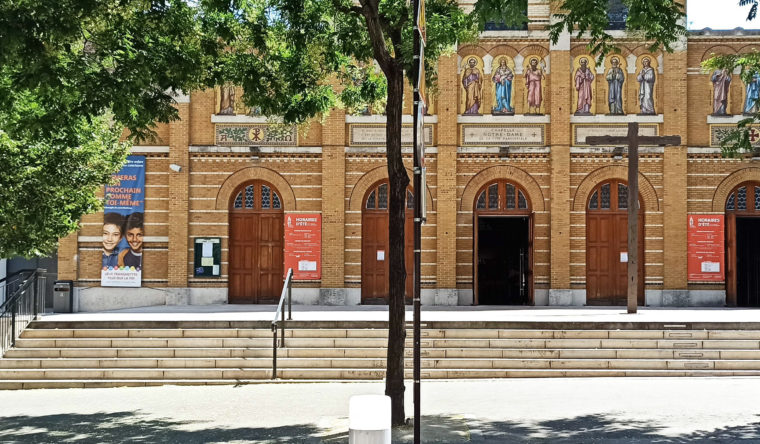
(369,419)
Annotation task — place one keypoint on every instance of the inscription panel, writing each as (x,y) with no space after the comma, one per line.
(256,134)
(369,134)
(718,132)
(503,134)
(580,132)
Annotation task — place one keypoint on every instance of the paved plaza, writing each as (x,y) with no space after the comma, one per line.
(663,410)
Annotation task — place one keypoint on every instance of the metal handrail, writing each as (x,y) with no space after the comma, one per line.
(286,290)
(10,283)
(24,303)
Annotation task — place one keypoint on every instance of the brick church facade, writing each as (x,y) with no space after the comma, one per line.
(520,209)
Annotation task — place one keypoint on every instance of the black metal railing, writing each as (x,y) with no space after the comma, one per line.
(280,314)
(23,299)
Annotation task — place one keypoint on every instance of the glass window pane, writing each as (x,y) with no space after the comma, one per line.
(741,199)
(605,196)
(239,200)
(265,201)
(622,196)
(510,196)
(757,198)
(493,197)
(730,203)
(249,196)
(382,196)
(594,202)
(276,201)
(617,12)
(409,200)
(522,203)
(371,200)
(481,201)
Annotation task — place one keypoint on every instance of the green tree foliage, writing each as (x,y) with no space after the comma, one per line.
(73,75)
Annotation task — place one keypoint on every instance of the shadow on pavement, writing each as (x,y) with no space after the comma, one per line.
(134,427)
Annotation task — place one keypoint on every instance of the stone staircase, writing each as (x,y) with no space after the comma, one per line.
(143,353)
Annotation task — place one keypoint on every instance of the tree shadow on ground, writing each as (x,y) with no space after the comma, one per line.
(135,427)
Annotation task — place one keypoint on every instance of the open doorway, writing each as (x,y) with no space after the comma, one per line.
(747,262)
(503,260)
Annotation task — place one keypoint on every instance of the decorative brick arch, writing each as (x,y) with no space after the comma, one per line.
(646,189)
(718,50)
(472,50)
(534,50)
(501,50)
(356,200)
(502,172)
(751,174)
(224,196)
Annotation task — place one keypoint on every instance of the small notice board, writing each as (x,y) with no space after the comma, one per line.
(208,257)
(303,245)
(706,251)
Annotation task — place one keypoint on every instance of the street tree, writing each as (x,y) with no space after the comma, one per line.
(300,58)
(75,75)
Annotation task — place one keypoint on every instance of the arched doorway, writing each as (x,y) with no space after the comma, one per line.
(607,245)
(742,244)
(256,244)
(375,244)
(503,240)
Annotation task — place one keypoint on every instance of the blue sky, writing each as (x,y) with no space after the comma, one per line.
(718,14)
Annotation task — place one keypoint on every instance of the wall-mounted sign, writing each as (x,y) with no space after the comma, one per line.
(373,134)
(486,134)
(123,226)
(706,252)
(256,134)
(303,245)
(207,261)
(718,132)
(581,131)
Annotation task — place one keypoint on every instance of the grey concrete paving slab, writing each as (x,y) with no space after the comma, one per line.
(630,410)
(225,312)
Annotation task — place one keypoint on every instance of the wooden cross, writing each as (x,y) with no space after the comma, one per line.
(633,140)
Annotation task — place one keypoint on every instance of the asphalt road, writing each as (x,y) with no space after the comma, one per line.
(624,410)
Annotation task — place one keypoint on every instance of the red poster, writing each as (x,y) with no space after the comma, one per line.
(706,247)
(303,245)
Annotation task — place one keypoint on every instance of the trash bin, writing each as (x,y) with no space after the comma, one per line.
(63,296)
(369,419)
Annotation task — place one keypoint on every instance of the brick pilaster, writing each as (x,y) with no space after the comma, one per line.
(333,199)
(446,168)
(179,132)
(67,257)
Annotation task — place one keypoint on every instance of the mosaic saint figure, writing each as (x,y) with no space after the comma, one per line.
(502,79)
(753,94)
(721,80)
(646,80)
(615,79)
(227,100)
(473,84)
(533,78)
(583,79)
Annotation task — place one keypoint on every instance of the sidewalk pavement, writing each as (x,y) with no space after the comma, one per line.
(582,410)
(225,312)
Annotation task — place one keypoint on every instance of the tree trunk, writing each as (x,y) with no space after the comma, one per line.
(399,181)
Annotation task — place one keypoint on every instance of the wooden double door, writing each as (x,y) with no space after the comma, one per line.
(375,245)
(255,245)
(742,246)
(607,246)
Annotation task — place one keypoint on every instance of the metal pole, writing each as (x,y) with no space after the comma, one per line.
(418,103)
(290,295)
(633,216)
(274,352)
(282,315)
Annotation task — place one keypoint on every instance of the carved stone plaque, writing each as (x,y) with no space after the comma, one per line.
(373,134)
(580,132)
(503,134)
(717,132)
(256,134)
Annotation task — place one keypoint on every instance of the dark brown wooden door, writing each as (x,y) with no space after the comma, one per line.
(256,245)
(606,239)
(742,267)
(375,265)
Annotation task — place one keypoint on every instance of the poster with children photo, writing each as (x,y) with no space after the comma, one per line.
(123,226)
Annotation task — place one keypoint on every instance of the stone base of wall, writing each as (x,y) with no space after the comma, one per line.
(686,298)
(567,297)
(88,299)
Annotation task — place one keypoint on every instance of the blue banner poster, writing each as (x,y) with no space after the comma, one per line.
(123,226)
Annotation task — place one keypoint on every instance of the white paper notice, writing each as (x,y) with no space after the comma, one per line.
(207,261)
(710,267)
(381,255)
(208,249)
(215,270)
(307,265)
(623,256)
